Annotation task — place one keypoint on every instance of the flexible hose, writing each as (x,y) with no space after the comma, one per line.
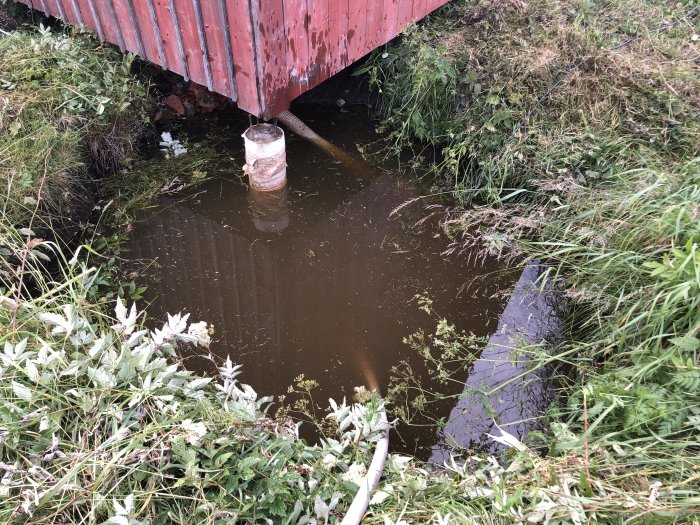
(359,504)
(297,126)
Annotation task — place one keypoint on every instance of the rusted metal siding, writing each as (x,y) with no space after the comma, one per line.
(323,37)
(260,53)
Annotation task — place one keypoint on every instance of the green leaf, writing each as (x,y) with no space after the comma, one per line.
(21,391)
(687,343)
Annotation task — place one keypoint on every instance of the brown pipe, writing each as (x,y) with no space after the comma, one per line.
(295,124)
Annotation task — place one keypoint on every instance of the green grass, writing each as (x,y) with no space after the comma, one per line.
(99,422)
(467,83)
(73,119)
(70,111)
(600,179)
(602,182)
(621,441)
(628,255)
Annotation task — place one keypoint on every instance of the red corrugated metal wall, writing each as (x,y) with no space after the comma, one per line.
(322,37)
(260,53)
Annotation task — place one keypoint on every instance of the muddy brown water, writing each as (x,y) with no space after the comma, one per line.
(318,279)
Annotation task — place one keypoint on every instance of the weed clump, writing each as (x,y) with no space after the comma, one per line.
(508,92)
(69,111)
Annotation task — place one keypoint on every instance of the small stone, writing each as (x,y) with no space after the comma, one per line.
(196,89)
(206,102)
(174,103)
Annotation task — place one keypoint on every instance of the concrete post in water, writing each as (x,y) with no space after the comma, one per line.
(269,209)
(265,157)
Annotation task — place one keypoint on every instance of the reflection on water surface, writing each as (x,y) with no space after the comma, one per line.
(318,279)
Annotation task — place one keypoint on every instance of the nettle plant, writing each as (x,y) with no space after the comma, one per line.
(99,423)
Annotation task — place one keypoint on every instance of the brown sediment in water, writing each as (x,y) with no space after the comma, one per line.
(326,286)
